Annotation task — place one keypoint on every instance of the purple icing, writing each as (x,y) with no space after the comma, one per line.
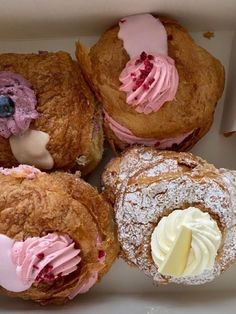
(20,91)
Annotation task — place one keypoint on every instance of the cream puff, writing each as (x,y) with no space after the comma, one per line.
(49,118)
(157,86)
(57,235)
(175,214)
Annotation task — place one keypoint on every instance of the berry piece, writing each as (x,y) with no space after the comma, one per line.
(7,107)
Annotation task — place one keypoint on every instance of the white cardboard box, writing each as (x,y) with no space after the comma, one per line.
(32,25)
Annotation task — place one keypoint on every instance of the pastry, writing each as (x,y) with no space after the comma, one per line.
(157,86)
(175,214)
(57,235)
(49,118)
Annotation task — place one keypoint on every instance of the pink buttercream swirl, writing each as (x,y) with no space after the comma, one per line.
(45,259)
(149,81)
(125,135)
(22,171)
(21,93)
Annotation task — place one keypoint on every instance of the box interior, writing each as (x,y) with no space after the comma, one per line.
(57,25)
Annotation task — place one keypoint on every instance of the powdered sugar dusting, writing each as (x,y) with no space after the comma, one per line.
(162,167)
(229,177)
(149,185)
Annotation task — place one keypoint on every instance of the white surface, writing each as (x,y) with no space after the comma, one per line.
(173,303)
(50,18)
(125,290)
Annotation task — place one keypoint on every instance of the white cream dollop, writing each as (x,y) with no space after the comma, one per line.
(206,239)
(31,148)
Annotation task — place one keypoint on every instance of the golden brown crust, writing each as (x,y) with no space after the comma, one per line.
(100,211)
(201,85)
(65,103)
(92,140)
(61,203)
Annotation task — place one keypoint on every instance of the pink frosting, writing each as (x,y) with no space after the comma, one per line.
(150,78)
(125,135)
(101,252)
(143,32)
(8,277)
(24,98)
(94,277)
(85,286)
(22,171)
(35,260)
(45,259)
(149,82)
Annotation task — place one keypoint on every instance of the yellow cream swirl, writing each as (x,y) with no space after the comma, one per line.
(205,242)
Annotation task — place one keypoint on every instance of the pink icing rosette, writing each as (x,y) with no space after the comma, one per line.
(150,77)
(45,259)
(42,260)
(149,82)
(21,93)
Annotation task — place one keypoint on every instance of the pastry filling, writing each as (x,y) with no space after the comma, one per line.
(149,81)
(22,171)
(185,243)
(41,260)
(17,110)
(17,104)
(150,78)
(31,148)
(36,260)
(125,135)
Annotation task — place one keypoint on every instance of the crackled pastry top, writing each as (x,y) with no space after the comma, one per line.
(147,186)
